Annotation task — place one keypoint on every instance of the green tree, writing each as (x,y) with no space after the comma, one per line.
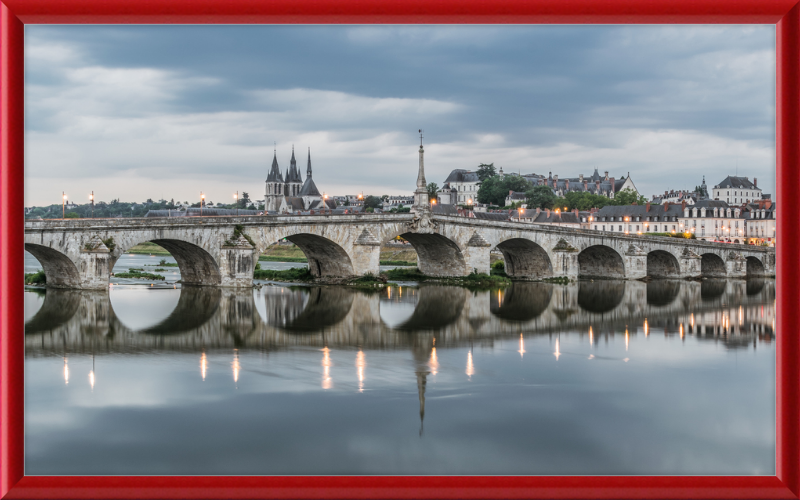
(493,190)
(432,190)
(244,200)
(486,170)
(628,197)
(541,197)
(72,215)
(372,202)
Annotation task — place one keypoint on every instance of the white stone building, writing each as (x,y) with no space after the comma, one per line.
(737,190)
(713,220)
(760,222)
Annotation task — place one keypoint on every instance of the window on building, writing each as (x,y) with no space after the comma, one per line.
(595,227)
(604,228)
(620,228)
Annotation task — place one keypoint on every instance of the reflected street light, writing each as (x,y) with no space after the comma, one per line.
(202,201)
(91,197)
(236,197)
(63,202)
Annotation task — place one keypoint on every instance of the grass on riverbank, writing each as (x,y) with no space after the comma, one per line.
(293,274)
(37,278)
(473,280)
(138,274)
(148,248)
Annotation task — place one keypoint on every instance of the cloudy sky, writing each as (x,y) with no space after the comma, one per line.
(136,112)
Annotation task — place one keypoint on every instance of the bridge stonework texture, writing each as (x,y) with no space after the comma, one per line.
(80,253)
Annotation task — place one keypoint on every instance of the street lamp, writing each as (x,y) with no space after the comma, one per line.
(236,197)
(202,201)
(63,202)
(91,197)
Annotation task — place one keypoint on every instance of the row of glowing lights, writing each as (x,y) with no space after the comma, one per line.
(203,196)
(433,363)
(360,363)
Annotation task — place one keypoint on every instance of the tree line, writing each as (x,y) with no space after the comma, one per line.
(494,189)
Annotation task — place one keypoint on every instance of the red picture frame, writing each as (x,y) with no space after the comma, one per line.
(785,14)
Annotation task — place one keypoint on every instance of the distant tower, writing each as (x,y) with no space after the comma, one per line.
(703,189)
(421,201)
(275,186)
(293,179)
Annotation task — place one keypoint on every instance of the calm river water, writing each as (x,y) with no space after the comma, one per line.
(604,377)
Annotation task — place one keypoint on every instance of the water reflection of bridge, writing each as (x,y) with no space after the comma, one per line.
(735,312)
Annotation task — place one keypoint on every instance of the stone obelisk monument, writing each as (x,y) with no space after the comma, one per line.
(421,201)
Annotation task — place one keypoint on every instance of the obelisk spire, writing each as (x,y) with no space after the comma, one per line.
(421,201)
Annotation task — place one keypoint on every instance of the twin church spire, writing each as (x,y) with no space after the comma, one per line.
(282,188)
(292,173)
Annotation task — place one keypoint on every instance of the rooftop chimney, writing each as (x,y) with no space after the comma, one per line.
(647,207)
(547,210)
(683,205)
(666,206)
(755,181)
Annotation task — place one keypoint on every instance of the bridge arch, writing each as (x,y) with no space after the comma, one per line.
(437,255)
(712,266)
(662,264)
(755,267)
(59,270)
(600,261)
(325,256)
(525,259)
(197,266)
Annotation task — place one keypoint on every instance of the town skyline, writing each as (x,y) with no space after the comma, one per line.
(157,112)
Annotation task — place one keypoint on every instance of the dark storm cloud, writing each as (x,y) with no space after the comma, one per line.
(652,100)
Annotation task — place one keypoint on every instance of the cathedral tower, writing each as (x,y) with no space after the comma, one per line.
(275,186)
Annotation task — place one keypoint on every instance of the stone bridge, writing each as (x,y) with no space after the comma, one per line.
(277,318)
(80,253)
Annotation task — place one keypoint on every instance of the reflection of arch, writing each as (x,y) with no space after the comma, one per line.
(196,306)
(600,261)
(525,259)
(712,266)
(321,307)
(736,241)
(755,267)
(754,286)
(59,306)
(437,307)
(522,301)
(600,296)
(325,257)
(59,270)
(662,264)
(712,289)
(437,255)
(662,292)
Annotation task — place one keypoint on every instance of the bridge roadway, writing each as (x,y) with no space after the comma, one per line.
(735,312)
(80,253)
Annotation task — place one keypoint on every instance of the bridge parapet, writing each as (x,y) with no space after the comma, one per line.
(222,251)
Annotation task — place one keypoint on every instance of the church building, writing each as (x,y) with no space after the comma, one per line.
(289,194)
